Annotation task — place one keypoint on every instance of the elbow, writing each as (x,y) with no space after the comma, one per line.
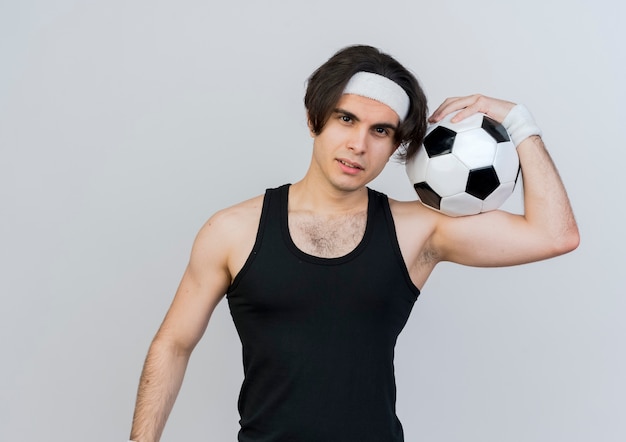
(574,240)
(165,344)
(567,242)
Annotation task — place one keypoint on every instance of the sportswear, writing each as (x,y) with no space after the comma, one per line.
(318,334)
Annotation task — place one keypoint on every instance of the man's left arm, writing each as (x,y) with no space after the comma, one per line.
(546,229)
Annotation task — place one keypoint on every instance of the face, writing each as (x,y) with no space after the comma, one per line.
(355,144)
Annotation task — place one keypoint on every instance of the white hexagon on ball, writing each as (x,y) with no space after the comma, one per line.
(465,148)
(447,175)
(506,162)
(461,204)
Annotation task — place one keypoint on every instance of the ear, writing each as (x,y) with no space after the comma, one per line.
(310,126)
(396,146)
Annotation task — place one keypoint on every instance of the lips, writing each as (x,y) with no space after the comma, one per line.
(350,164)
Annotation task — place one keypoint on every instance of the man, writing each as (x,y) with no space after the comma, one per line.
(321,275)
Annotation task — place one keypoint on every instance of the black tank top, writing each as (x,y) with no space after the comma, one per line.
(318,334)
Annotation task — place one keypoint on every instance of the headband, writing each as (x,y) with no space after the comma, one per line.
(379,88)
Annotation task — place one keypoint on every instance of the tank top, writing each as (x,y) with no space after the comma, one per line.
(318,334)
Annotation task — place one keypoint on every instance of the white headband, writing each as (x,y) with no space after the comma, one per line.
(379,88)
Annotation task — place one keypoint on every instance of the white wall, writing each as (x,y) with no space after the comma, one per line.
(125,124)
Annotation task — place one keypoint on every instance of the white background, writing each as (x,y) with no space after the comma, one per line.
(125,124)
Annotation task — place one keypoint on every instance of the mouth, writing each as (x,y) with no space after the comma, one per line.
(350,164)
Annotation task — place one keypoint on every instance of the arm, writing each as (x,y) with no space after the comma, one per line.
(203,284)
(497,238)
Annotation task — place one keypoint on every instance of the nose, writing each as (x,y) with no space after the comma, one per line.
(358,140)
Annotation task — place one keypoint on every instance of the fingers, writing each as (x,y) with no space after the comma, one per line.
(448,106)
(451,105)
(494,108)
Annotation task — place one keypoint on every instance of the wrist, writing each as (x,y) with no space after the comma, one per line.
(520,124)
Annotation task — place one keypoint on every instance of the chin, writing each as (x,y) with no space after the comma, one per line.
(350,187)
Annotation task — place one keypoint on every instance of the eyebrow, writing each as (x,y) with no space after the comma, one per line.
(338,110)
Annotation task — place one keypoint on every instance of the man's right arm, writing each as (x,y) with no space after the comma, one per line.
(204,283)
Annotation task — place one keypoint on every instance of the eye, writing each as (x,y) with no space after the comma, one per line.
(382,131)
(345,118)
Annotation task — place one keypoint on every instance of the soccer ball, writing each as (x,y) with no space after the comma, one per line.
(465,168)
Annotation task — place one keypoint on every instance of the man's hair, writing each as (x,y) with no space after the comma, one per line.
(326,85)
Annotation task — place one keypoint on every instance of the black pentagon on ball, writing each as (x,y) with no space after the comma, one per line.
(427,195)
(439,141)
(495,129)
(481,182)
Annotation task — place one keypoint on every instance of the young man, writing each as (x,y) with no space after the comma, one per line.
(321,275)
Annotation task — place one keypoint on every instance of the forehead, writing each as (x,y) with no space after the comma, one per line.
(367,109)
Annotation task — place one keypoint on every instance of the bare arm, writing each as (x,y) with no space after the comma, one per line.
(204,283)
(546,229)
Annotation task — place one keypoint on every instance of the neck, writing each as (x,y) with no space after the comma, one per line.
(307,196)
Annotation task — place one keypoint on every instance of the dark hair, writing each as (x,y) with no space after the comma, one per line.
(325,87)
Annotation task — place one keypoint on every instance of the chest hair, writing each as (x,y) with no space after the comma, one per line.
(327,236)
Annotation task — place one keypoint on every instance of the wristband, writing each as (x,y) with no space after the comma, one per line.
(519,123)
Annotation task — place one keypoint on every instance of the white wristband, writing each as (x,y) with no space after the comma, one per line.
(519,123)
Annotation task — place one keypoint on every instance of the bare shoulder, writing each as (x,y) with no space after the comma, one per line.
(414,223)
(234,218)
(415,226)
(412,212)
(230,233)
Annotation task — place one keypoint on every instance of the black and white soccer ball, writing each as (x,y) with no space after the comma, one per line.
(465,168)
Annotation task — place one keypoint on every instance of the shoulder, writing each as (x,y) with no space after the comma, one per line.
(413,218)
(415,225)
(227,237)
(412,211)
(233,220)
(236,215)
